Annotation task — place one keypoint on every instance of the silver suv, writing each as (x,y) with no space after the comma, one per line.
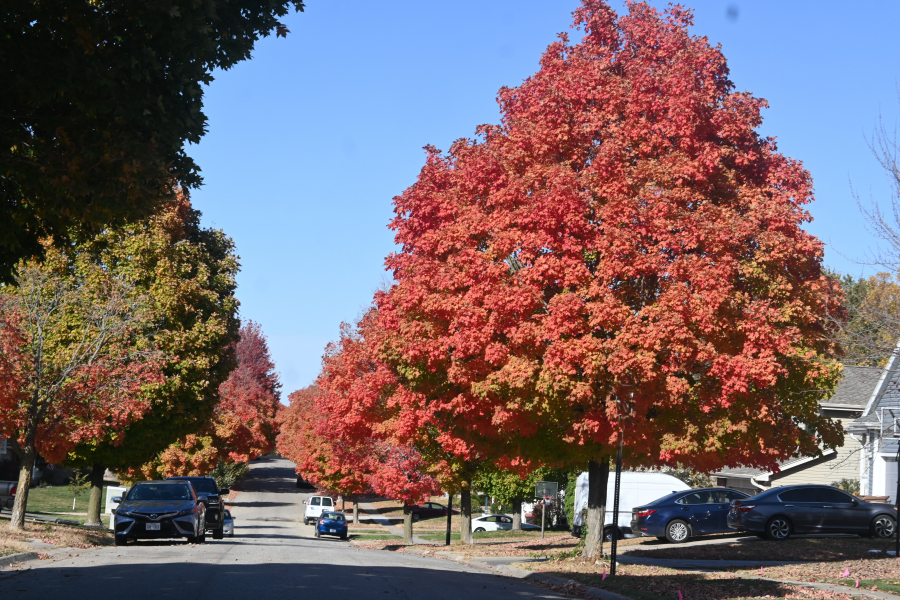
(315,505)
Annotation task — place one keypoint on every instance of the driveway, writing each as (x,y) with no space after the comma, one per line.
(272,555)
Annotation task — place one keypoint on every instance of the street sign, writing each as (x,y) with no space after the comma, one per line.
(545,489)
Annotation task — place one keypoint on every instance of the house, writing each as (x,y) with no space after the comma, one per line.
(849,402)
(878,430)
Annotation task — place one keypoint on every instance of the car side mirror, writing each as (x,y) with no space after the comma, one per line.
(224,492)
(855,502)
(117,499)
(304,502)
(202,499)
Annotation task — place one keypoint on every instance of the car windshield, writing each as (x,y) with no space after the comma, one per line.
(333,516)
(204,486)
(160,491)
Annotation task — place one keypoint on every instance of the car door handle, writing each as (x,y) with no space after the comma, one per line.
(684,508)
(725,506)
(789,506)
(827,506)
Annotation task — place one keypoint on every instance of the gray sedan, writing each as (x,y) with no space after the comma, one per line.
(777,514)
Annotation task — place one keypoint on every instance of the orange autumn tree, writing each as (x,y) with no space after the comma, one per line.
(74,360)
(243,426)
(622,258)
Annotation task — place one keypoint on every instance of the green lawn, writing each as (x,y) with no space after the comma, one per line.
(57,499)
(884,585)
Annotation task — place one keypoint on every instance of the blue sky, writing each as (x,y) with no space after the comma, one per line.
(311,139)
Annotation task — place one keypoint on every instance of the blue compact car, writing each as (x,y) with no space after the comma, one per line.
(682,515)
(332,523)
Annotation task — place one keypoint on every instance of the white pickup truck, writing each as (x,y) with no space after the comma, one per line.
(8,493)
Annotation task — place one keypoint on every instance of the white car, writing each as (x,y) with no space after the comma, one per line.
(315,505)
(228,524)
(497,523)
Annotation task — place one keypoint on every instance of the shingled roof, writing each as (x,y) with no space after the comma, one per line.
(855,389)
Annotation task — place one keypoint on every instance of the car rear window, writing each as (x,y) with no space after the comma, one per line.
(316,501)
(160,491)
(327,502)
(333,516)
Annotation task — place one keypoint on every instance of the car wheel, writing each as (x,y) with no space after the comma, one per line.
(416,517)
(218,534)
(121,540)
(610,531)
(678,532)
(883,526)
(778,528)
(479,530)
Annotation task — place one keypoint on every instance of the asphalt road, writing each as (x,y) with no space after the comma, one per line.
(273,555)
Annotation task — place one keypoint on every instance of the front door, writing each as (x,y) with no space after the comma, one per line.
(840,514)
(803,508)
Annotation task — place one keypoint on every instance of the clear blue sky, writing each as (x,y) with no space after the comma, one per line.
(311,139)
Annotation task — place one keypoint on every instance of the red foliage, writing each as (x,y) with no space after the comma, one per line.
(244,424)
(96,397)
(624,250)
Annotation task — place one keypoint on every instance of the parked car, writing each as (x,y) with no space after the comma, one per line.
(215,505)
(315,506)
(8,493)
(637,489)
(781,512)
(497,523)
(228,524)
(679,516)
(160,509)
(332,523)
(430,510)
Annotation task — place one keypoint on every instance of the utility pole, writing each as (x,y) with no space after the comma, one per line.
(615,527)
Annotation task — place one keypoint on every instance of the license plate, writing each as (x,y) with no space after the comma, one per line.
(332,531)
(152,526)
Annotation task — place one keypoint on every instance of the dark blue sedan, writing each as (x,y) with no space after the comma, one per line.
(332,523)
(682,515)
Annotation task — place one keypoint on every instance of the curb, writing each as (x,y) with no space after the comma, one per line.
(18,558)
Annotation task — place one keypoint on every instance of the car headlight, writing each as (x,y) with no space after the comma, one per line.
(124,513)
(184,513)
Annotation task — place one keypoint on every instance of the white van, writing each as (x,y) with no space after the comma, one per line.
(636,489)
(316,505)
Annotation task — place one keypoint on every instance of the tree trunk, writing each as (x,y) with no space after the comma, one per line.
(95,501)
(465,514)
(517,514)
(598,478)
(407,523)
(17,520)
(355,511)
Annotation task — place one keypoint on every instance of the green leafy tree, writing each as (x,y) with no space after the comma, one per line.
(98,101)
(509,488)
(188,273)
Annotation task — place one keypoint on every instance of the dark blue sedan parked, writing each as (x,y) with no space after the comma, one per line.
(332,523)
(681,515)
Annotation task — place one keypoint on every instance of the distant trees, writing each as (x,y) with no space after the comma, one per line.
(243,425)
(98,101)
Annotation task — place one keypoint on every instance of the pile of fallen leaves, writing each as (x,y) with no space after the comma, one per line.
(638,580)
(832,549)
(877,567)
(51,533)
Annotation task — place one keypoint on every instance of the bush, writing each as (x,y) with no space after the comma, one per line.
(229,474)
(851,486)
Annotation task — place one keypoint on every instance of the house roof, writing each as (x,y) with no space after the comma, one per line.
(886,395)
(855,388)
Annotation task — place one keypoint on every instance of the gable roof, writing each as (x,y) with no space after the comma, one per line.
(855,389)
(886,395)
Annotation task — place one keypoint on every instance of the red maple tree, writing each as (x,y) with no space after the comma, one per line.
(621,258)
